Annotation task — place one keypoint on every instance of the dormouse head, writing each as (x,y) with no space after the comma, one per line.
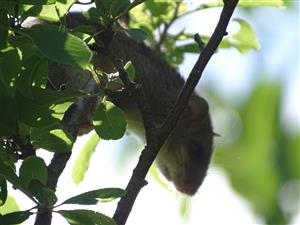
(185,157)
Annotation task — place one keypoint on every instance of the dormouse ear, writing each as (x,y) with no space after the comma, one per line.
(196,109)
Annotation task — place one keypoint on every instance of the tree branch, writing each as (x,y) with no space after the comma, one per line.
(158,136)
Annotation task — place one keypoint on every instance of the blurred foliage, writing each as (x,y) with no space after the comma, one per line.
(264,158)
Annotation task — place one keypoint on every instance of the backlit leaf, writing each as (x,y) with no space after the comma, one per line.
(82,162)
(86,217)
(109,121)
(93,197)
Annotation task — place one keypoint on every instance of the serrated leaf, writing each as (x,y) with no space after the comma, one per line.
(61,47)
(54,140)
(109,121)
(93,197)
(137,34)
(82,162)
(86,217)
(3,191)
(14,217)
(33,168)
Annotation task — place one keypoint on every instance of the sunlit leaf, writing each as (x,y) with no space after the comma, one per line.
(244,40)
(55,11)
(9,206)
(129,68)
(54,140)
(82,162)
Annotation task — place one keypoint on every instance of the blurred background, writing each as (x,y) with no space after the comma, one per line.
(254,101)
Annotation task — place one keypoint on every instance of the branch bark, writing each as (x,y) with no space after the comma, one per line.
(156,137)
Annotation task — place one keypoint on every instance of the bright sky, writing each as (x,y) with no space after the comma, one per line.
(215,203)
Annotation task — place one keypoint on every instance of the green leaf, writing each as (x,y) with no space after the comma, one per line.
(86,217)
(36,2)
(244,40)
(55,11)
(52,139)
(9,206)
(30,10)
(60,46)
(3,28)
(109,121)
(44,195)
(116,7)
(8,173)
(8,116)
(14,217)
(46,107)
(189,48)
(49,196)
(10,65)
(93,197)
(93,14)
(3,191)
(129,68)
(82,162)
(157,8)
(30,70)
(33,168)
(137,34)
